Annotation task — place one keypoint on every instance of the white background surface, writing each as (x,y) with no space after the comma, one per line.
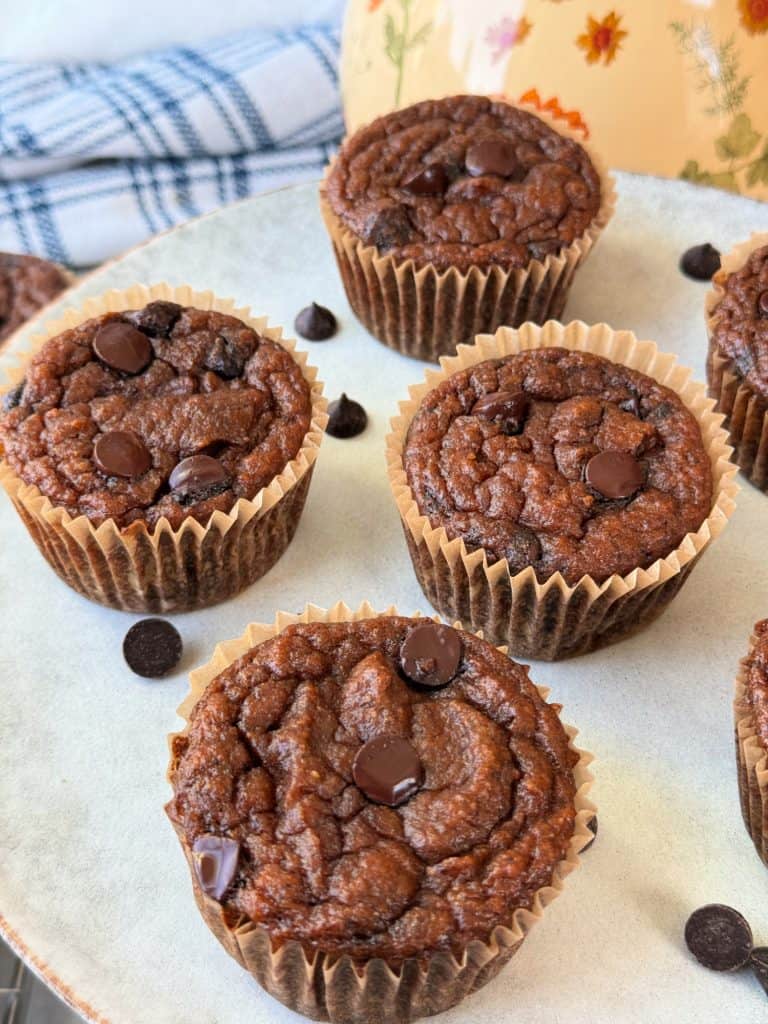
(91,876)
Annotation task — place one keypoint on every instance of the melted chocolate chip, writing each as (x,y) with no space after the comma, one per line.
(492,156)
(198,473)
(390,227)
(152,648)
(509,408)
(614,474)
(522,549)
(762,303)
(315,323)
(226,358)
(122,347)
(432,181)
(119,453)
(156,318)
(346,418)
(388,770)
(631,405)
(759,964)
(700,262)
(430,654)
(12,398)
(215,859)
(592,826)
(719,937)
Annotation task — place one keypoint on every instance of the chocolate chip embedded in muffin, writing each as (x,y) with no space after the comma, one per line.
(464,181)
(269,763)
(26,285)
(559,460)
(740,320)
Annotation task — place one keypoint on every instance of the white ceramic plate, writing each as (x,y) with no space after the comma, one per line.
(93,888)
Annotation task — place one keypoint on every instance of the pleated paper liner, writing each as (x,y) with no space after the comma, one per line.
(745,410)
(426,313)
(333,988)
(554,620)
(751,763)
(162,570)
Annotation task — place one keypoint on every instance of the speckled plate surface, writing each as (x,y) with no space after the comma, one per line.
(93,887)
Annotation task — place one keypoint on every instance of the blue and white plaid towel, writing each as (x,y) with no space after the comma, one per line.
(95,158)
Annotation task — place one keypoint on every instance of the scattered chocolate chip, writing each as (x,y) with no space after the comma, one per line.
(389,227)
(315,323)
(346,418)
(215,859)
(119,453)
(493,156)
(433,180)
(762,303)
(388,770)
(156,318)
(719,937)
(122,347)
(759,964)
(12,398)
(592,826)
(614,474)
(508,407)
(430,654)
(198,473)
(700,262)
(152,648)
(226,358)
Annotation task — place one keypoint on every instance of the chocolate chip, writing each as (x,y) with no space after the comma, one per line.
(388,770)
(762,303)
(522,549)
(152,648)
(719,937)
(592,826)
(121,347)
(156,318)
(346,418)
(631,405)
(198,473)
(12,398)
(315,323)
(433,180)
(430,654)
(509,408)
(215,859)
(226,358)
(119,453)
(492,156)
(759,964)
(700,262)
(614,474)
(390,227)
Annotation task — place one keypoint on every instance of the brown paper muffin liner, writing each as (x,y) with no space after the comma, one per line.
(333,988)
(751,764)
(426,313)
(745,410)
(163,570)
(553,619)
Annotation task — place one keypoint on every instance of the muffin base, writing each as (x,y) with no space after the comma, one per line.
(751,766)
(337,989)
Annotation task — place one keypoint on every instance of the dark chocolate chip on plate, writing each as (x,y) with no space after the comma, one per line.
(120,346)
(388,770)
(152,648)
(198,473)
(433,180)
(592,826)
(215,859)
(12,398)
(346,418)
(719,937)
(430,654)
(614,475)
(156,318)
(759,964)
(492,156)
(700,262)
(509,408)
(315,323)
(120,453)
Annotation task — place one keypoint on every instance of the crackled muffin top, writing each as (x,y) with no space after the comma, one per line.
(741,319)
(26,285)
(756,686)
(559,460)
(265,784)
(163,411)
(464,181)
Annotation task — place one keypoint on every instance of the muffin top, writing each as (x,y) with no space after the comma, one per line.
(756,684)
(560,460)
(388,787)
(740,329)
(162,411)
(26,285)
(464,181)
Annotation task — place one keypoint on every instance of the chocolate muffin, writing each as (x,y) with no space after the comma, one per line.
(26,285)
(737,366)
(464,184)
(751,715)
(559,460)
(385,788)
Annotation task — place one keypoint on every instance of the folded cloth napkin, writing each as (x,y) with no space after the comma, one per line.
(95,158)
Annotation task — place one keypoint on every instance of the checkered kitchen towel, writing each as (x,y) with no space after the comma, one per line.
(94,158)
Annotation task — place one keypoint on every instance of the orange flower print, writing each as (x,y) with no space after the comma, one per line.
(507,33)
(603,38)
(373,5)
(552,106)
(754,15)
